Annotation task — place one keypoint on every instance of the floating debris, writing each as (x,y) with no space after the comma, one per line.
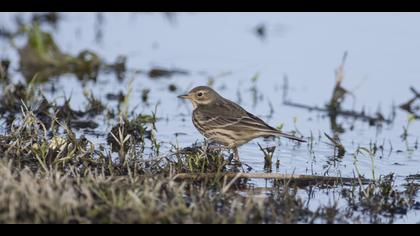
(84,124)
(116,96)
(156,73)
(413,177)
(172,88)
(261,31)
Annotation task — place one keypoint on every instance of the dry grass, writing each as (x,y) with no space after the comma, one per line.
(55,197)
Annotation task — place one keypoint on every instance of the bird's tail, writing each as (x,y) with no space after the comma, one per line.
(292,137)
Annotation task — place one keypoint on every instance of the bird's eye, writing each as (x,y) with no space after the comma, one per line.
(199,94)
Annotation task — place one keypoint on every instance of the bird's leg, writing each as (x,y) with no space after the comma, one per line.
(234,149)
(235,154)
(234,158)
(205,146)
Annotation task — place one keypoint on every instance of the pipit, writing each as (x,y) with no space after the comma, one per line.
(225,122)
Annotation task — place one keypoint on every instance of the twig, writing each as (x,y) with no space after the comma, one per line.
(298,179)
(357,115)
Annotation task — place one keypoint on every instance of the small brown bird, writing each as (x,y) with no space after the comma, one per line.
(225,122)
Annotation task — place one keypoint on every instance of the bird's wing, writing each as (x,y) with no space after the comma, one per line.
(229,115)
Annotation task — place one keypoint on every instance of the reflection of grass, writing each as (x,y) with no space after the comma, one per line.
(410,107)
(410,120)
(406,132)
(41,55)
(380,198)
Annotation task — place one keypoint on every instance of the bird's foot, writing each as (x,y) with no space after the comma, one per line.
(205,147)
(234,160)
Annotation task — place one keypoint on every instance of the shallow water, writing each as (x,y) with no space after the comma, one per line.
(306,47)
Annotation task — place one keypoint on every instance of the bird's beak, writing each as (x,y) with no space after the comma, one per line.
(185,96)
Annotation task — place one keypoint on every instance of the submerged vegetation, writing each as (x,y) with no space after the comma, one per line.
(53,169)
(334,107)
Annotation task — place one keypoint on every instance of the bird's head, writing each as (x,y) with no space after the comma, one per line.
(201,95)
